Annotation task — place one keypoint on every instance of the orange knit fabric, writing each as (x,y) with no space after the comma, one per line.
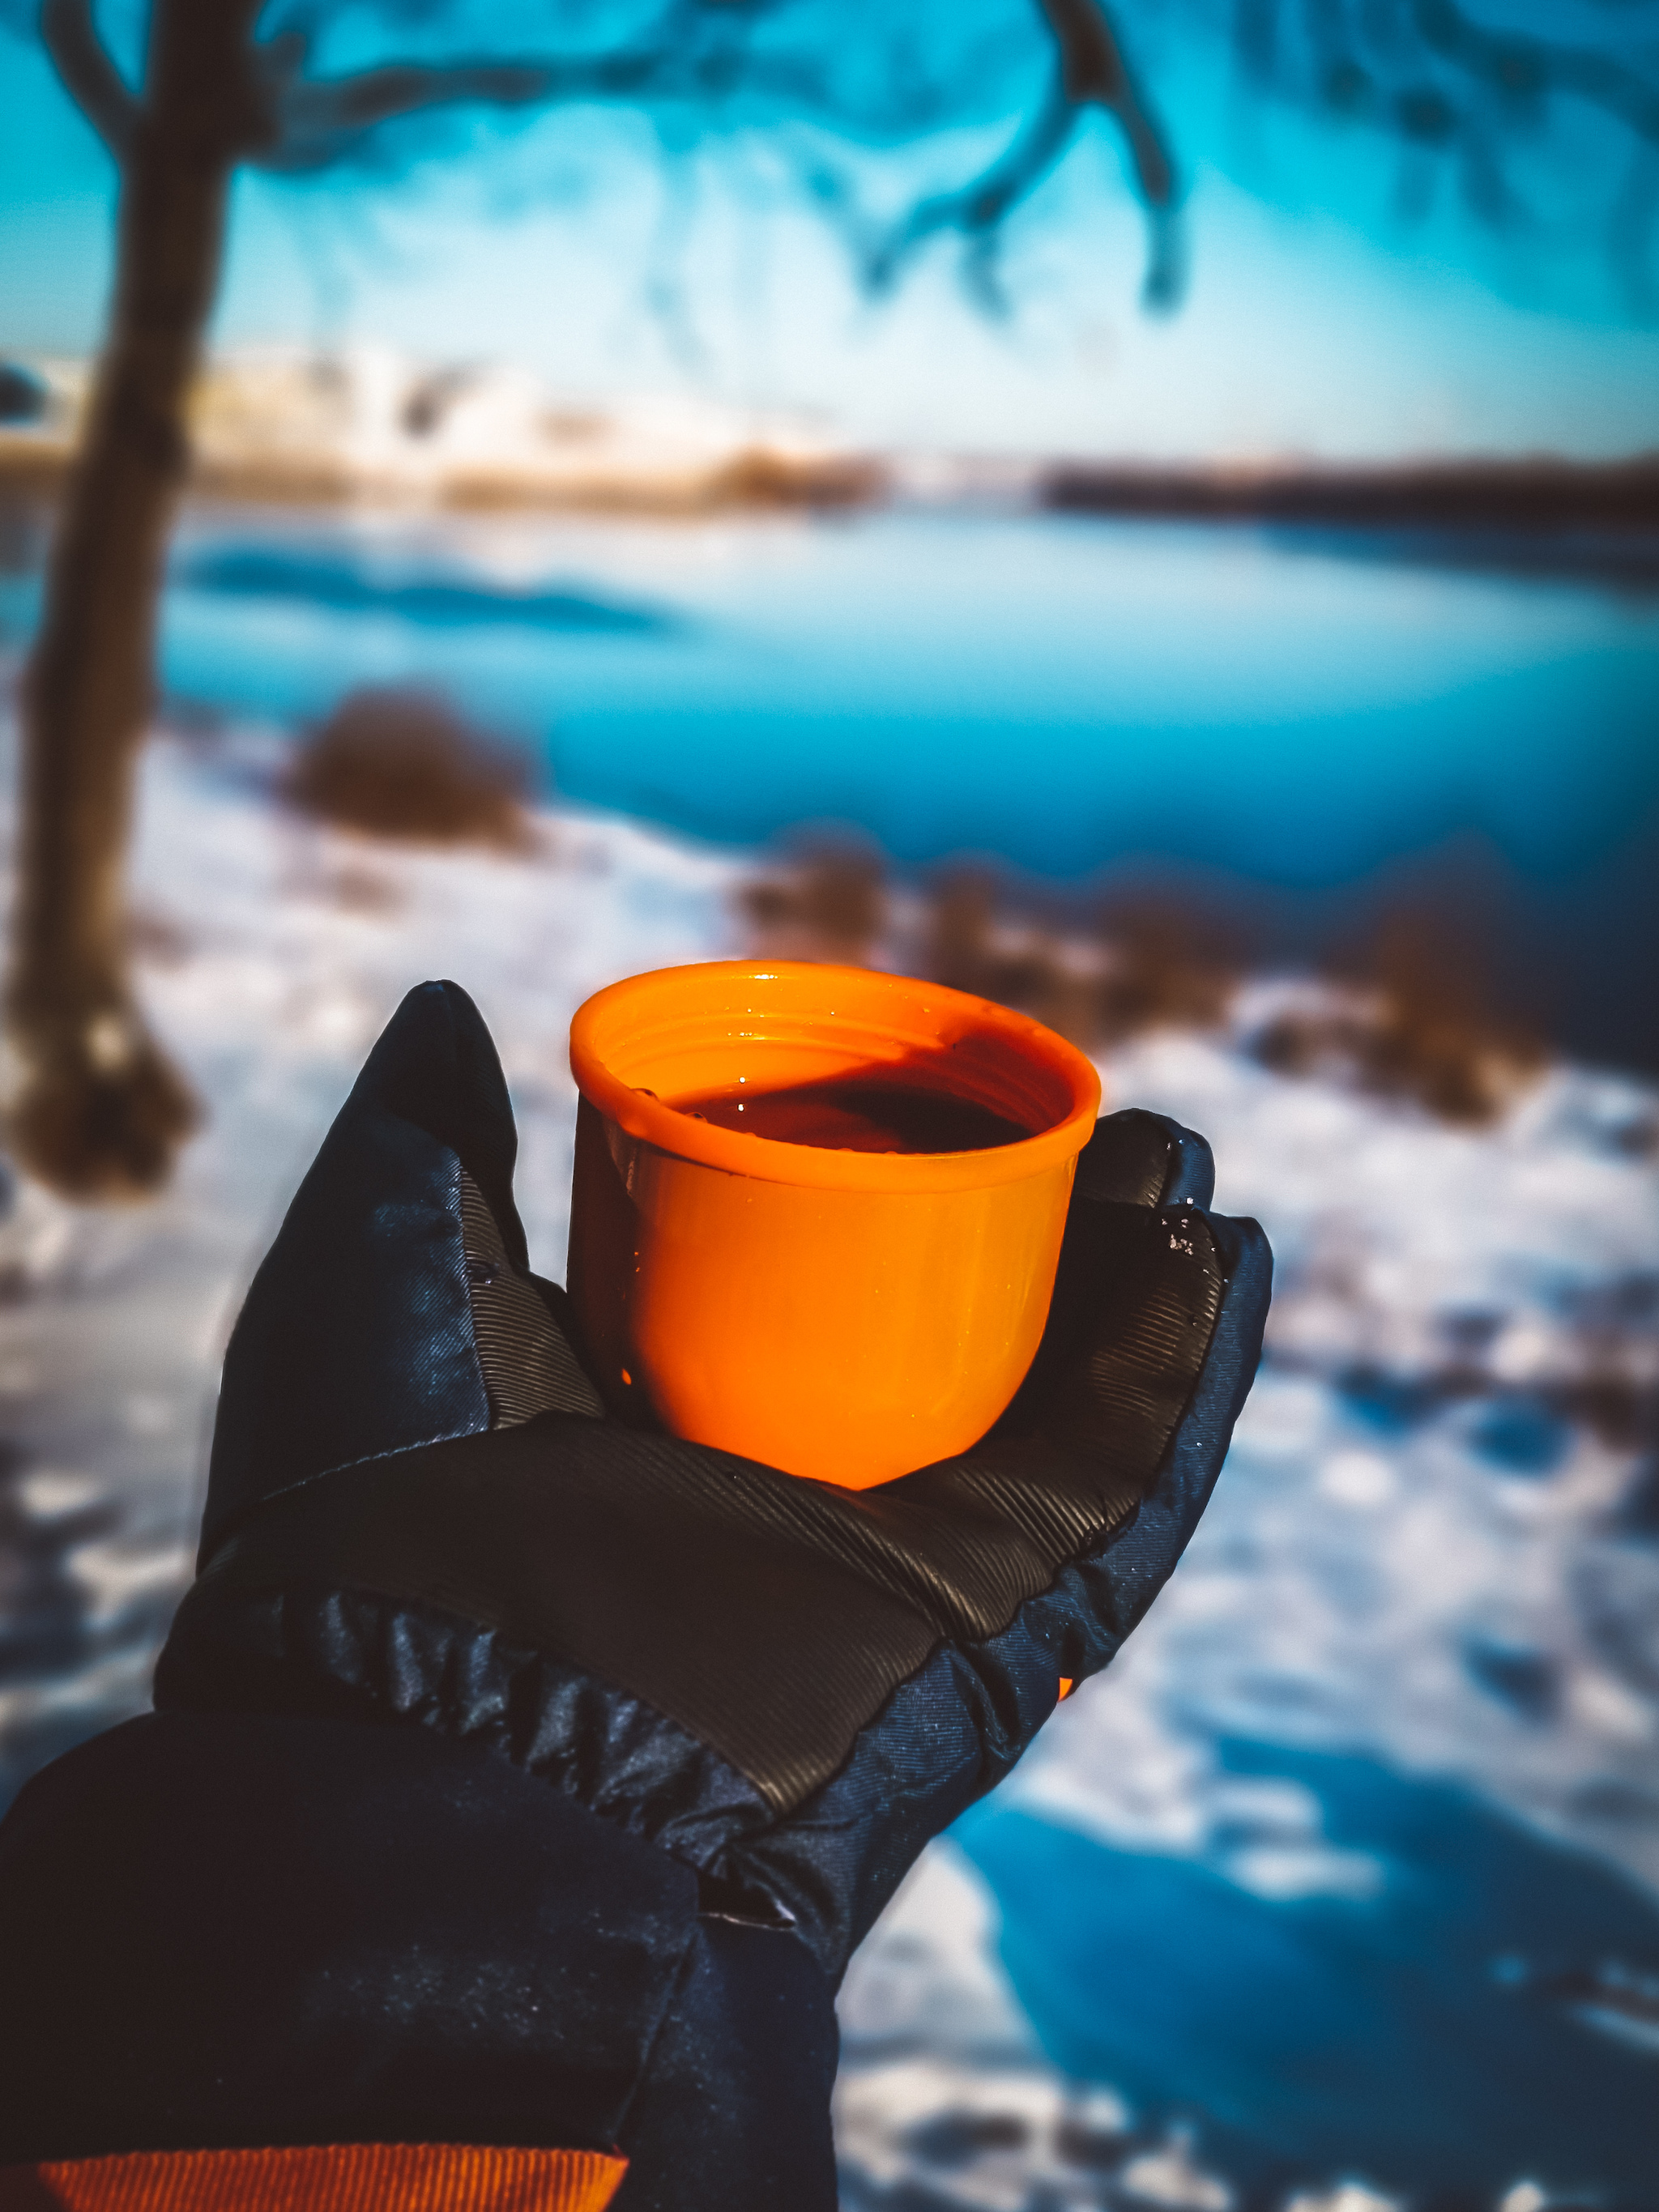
(324,2178)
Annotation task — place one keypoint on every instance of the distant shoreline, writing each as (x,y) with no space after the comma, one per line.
(1537,496)
(758,480)
(1539,493)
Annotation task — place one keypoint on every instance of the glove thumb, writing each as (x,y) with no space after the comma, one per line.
(395,1307)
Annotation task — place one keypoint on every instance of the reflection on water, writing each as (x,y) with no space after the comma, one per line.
(344,582)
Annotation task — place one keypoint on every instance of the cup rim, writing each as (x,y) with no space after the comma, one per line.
(769,1160)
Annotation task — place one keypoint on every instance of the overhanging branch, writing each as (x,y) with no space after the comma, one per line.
(977,209)
(316,119)
(1093,71)
(318,116)
(690,53)
(70,36)
(1521,68)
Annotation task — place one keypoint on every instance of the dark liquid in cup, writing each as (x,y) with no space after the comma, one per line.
(861,1115)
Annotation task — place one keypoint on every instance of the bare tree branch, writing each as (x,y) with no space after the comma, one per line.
(317,118)
(976,209)
(320,117)
(1525,68)
(90,77)
(699,54)
(1451,88)
(665,266)
(1093,71)
(1096,72)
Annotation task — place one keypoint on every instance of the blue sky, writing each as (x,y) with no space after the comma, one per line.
(1318,321)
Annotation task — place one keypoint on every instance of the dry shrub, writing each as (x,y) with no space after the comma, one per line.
(401,763)
(831,905)
(1170,966)
(1423,1026)
(1151,963)
(972,945)
(1154,964)
(760,476)
(961,921)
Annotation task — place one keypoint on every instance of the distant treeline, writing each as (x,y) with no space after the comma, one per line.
(1532,494)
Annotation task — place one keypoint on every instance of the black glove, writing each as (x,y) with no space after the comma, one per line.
(685,1721)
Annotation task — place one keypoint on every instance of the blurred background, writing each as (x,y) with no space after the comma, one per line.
(1147,512)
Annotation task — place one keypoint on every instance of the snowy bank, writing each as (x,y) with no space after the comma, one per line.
(1433,1544)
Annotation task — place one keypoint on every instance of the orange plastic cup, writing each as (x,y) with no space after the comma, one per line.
(845,1314)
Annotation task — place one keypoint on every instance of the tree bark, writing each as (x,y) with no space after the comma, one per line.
(100,1112)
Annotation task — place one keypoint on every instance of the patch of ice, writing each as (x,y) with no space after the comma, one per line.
(985,2139)
(1354,2197)
(50,1493)
(1283,1874)
(928,1976)
(1363,1479)
(1604,1707)
(1169,2177)
(148,1414)
(118,1574)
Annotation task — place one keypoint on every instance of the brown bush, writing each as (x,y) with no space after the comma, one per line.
(1170,966)
(400,762)
(831,905)
(760,476)
(962,918)
(1423,1026)
(966,947)
(1155,963)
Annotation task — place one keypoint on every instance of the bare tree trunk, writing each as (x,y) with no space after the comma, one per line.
(101,1112)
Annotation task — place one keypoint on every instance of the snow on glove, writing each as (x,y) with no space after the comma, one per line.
(767,1691)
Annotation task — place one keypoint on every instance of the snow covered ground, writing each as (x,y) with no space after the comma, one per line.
(1423,1547)
(1434,1545)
